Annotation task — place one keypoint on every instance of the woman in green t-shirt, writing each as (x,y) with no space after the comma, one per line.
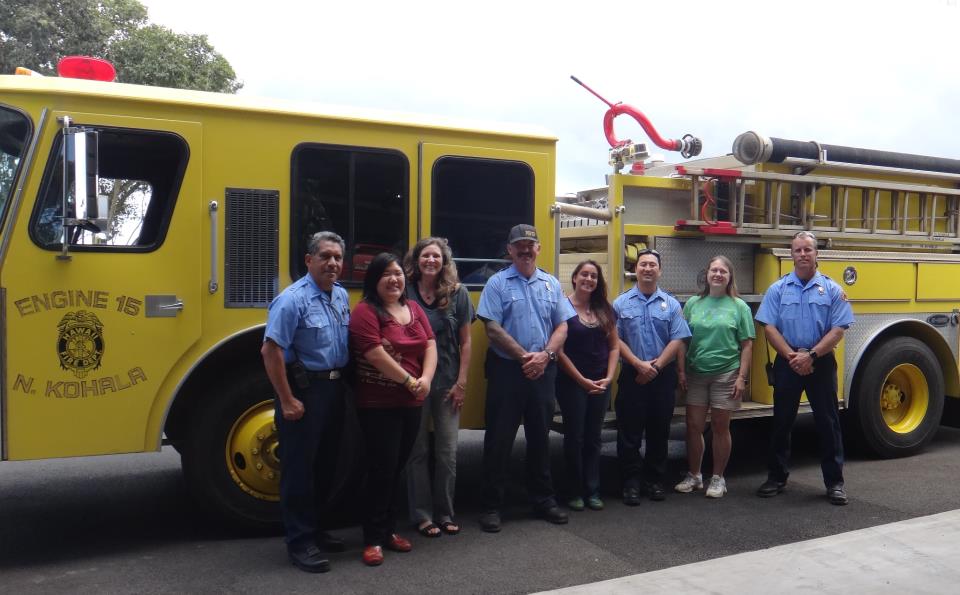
(716,371)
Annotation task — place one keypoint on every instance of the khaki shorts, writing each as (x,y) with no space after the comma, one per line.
(712,389)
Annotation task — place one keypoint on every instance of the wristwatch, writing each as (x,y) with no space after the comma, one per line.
(813,355)
(551,354)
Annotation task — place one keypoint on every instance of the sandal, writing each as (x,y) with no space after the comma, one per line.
(449,527)
(429,530)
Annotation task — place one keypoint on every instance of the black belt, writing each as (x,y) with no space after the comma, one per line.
(334,374)
(324,374)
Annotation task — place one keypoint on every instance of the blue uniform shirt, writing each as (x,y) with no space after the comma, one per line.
(528,309)
(804,312)
(646,325)
(310,325)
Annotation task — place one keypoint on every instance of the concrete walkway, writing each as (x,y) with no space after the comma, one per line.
(920,555)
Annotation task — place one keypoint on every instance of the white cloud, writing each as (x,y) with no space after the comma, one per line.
(879,74)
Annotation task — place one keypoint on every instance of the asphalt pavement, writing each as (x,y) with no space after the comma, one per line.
(125,524)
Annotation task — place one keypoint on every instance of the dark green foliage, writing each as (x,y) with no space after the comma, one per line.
(37,33)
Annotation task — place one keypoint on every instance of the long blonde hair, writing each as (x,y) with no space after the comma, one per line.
(447,280)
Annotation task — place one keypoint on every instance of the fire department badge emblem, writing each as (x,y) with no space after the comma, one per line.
(80,342)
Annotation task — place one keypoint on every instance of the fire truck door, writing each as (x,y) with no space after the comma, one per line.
(94,337)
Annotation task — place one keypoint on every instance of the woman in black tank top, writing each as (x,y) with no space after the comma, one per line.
(588,361)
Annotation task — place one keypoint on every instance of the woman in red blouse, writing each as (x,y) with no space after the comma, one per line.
(396,356)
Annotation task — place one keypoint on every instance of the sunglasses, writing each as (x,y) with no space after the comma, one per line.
(646,251)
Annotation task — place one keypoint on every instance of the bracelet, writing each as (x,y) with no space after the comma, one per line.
(406,381)
(460,386)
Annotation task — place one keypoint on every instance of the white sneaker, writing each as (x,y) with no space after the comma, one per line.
(718,487)
(690,483)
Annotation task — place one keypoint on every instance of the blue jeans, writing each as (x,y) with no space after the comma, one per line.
(582,423)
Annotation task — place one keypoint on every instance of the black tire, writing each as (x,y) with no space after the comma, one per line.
(897,398)
(250,505)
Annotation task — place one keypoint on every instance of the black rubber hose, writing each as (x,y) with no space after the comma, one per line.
(752,148)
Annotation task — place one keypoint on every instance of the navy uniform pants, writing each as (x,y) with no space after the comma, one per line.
(644,411)
(821,389)
(511,396)
(308,457)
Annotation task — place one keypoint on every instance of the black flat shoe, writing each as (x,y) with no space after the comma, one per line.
(309,559)
(656,492)
(837,495)
(490,521)
(631,496)
(771,488)
(553,514)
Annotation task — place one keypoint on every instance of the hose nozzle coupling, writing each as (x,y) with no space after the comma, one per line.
(690,146)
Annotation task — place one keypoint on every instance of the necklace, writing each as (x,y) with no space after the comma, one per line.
(428,295)
(586,317)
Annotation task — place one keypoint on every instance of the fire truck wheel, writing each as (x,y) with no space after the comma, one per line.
(898,397)
(230,460)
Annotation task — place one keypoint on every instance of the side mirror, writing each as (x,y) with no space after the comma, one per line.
(88,211)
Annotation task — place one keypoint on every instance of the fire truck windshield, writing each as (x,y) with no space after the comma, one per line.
(14,133)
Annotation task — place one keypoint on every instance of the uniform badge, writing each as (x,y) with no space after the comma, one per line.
(663,306)
(820,289)
(80,342)
(547,285)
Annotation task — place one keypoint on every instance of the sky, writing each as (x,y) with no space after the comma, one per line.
(881,74)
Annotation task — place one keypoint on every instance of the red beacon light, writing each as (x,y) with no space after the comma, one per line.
(86,67)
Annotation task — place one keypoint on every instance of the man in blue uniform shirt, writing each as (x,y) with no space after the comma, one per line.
(804,316)
(525,316)
(304,349)
(652,329)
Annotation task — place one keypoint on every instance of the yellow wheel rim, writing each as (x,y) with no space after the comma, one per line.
(251,451)
(904,398)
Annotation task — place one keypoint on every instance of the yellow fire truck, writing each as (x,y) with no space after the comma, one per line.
(143,232)
(887,229)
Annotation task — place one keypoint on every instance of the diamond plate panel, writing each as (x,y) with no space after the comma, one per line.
(685,263)
(655,206)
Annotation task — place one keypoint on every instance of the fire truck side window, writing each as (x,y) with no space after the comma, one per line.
(140,173)
(358,193)
(475,203)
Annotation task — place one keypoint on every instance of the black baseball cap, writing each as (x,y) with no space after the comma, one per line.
(523,232)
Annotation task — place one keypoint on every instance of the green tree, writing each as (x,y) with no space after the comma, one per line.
(37,33)
(155,55)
